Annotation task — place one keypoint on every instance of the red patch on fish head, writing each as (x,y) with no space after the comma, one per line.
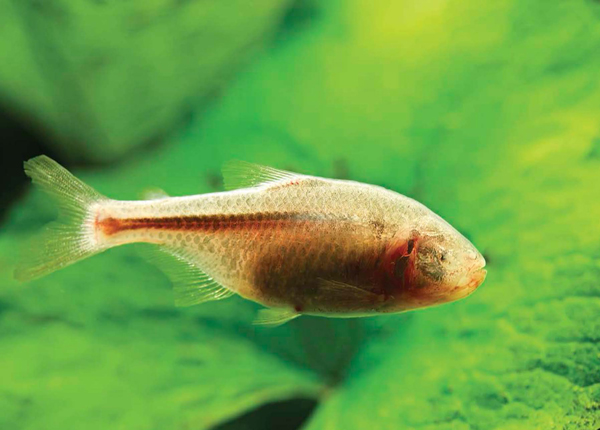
(398,266)
(403,280)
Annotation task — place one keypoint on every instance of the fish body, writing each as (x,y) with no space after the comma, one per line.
(297,244)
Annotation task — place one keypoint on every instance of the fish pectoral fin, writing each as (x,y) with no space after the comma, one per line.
(346,294)
(275,317)
(241,174)
(154,194)
(191,285)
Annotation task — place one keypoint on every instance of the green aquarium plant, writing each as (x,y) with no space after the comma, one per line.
(486,112)
(102,77)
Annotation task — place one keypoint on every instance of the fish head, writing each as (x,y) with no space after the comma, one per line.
(439,265)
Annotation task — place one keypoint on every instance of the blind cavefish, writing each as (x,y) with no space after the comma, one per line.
(297,244)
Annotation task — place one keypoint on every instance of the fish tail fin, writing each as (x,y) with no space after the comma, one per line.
(71,237)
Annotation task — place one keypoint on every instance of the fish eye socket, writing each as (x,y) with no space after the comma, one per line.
(443,256)
(433,270)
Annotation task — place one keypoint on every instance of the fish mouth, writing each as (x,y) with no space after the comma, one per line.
(469,283)
(476,278)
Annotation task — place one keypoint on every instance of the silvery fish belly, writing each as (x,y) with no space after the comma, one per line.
(297,244)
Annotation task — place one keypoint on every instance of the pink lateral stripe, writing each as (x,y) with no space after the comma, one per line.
(111,226)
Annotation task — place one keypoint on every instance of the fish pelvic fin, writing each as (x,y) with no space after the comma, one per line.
(71,237)
(274,317)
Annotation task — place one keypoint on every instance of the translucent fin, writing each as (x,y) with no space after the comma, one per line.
(154,194)
(241,174)
(69,239)
(348,295)
(275,317)
(191,285)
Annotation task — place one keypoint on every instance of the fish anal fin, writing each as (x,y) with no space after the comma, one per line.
(273,317)
(241,174)
(191,285)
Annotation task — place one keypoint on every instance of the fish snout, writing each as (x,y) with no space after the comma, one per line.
(474,274)
(475,260)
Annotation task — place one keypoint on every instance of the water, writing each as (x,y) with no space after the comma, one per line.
(487,113)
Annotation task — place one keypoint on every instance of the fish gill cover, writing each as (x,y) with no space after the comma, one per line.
(487,112)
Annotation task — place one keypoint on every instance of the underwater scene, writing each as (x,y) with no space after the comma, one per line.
(486,113)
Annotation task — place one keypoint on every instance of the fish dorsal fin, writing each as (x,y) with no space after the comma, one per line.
(191,285)
(346,294)
(275,317)
(154,194)
(241,174)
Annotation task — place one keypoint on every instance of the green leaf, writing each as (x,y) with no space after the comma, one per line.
(486,112)
(104,77)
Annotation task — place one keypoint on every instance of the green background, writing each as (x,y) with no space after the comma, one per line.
(487,112)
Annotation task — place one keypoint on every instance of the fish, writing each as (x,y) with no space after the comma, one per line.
(294,243)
